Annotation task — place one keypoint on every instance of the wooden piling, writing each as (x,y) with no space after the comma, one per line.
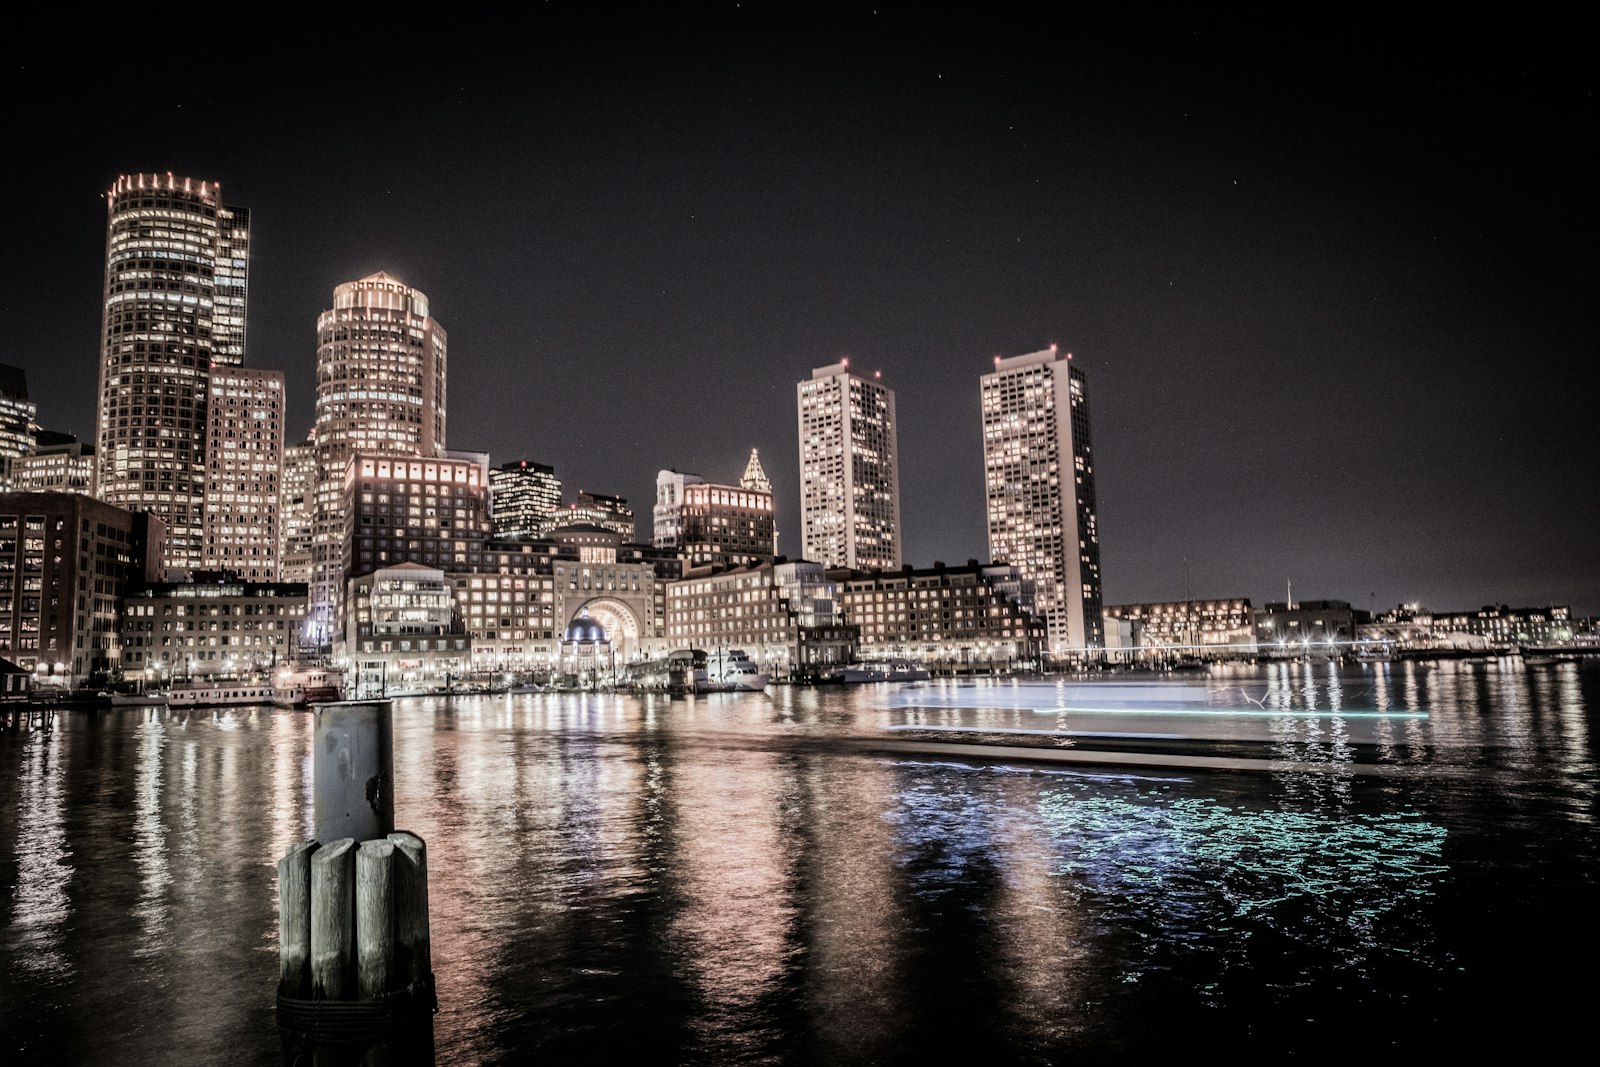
(333,900)
(376,966)
(414,953)
(294,921)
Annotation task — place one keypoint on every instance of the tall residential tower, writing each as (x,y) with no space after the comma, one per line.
(849,470)
(380,390)
(168,242)
(1038,472)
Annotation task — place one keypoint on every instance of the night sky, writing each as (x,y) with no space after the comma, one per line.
(1333,287)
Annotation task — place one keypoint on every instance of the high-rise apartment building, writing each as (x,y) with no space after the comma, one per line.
(1039,485)
(297,495)
(244,461)
(524,497)
(849,470)
(167,240)
(380,389)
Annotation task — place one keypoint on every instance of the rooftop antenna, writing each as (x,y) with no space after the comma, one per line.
(1288,603)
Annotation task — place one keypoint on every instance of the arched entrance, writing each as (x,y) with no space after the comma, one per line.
(620,621)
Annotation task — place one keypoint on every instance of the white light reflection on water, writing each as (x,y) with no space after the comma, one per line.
(44,862)
(150,854)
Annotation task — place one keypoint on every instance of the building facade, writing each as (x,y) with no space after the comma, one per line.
(717,525)
(784,616)
(165,239)
(17,415)
(66,562)
(403,630)
(1306,627)
(244,462)
(849,470)
(524,496)
(380,389)
(59,463)
(596,509)
(1188,627)
(297,495)
(1039,490)
(215,626)
(969,619)
(409,509)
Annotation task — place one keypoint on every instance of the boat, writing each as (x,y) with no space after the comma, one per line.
(735,670)
(137,700)
(313,686)
(218,694)
(889,670)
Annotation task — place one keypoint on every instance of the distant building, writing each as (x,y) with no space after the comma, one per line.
(216,625)
(175,283)
(17,415)
(596,509)
(380,390)
(1505,627)
(59,463)
(849,470)
(719,525)
(977,617)
(244,464)
(432,511)
(402,626)
(297,498)
(524,496)
(1039,486)
(1188,626)
(1307,626)
(65,563)
(784,615)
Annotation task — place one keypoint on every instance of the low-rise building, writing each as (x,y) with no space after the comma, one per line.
(1504,627)
(58,463)
(972,618)
(785,615)
(1324,627)
(1186,627)
(216,625)
(403,629)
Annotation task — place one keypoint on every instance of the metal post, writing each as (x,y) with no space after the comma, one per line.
(353,770)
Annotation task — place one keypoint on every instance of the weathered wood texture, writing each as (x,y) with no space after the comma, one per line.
(294,921)
(333,907)
(376,965)
(414,955)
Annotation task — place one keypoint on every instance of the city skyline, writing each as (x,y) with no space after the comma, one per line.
(1317,395)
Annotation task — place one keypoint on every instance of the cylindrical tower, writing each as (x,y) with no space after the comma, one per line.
(157,346)
(380,388)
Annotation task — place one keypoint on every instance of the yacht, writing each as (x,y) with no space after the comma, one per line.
(734,671)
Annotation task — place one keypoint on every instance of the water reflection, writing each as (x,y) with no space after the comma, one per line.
(739,878)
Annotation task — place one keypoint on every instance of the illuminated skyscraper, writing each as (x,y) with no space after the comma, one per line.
(297,504)
(244,462)
(1039,483)
(167,241)
(17,413)
(849,470)
(525,495)
(380,390)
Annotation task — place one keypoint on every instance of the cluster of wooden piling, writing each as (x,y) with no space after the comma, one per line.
(353,919)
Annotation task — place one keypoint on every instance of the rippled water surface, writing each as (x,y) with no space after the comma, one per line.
(760,878)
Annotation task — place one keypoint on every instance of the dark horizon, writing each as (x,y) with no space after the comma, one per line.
(1333,303)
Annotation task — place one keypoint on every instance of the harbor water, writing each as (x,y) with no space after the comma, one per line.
(1404,867)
